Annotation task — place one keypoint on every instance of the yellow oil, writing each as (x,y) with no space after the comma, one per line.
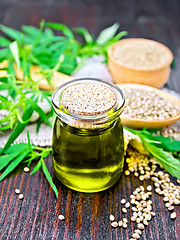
(90,160)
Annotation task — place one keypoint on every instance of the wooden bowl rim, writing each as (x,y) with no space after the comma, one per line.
(149,123)
(158,44)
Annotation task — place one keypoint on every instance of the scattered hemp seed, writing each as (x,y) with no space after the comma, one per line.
(127,205)
(138,220)
(140,226)
(134,209)
(141,178)
(152,214)
(161,193)
(139,213)
(176,201)
(157,190)
(127,173)
(136,235)
(136,174)
(17,191)
(140,208)
(165,199)
(149,188)
(171,208)
(172,131)
(120,223)
(125,220)
(61,217)
(21,196)
(145,222)
(111,218)
(138,231)
(146,210)
(167,204)
(149,202)
(138,190)
(143,197)
(123,201)
(132,196)
(124,225)
(124,210)
(26,169)
(173,215)
(149,207)
(148,217)
(135,192)
(114,224)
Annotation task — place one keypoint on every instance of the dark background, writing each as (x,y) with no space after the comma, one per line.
(155,19)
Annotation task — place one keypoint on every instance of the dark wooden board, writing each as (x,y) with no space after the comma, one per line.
(87,215)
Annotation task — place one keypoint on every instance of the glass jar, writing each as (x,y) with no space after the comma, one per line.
(88,149)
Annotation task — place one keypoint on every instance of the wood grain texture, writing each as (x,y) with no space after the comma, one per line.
(87,215)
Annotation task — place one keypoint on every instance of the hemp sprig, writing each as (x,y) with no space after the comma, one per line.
(25,153)
(40,46)
(160,148)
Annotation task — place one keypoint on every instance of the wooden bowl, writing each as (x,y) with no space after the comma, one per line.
(153,124)
(155,75)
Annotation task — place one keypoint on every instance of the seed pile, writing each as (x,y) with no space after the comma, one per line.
(88,99)
(141,55)
(142,210)
(172,131)
(148,105)
(145,168)
(121,223)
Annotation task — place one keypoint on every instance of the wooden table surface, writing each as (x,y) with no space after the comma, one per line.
(87,215)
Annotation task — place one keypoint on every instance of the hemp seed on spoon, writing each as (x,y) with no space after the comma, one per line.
(147,105)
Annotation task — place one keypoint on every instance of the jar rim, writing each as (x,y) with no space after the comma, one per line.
(71,118)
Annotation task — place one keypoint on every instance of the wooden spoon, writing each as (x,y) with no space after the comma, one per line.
(57,78)
(143,123)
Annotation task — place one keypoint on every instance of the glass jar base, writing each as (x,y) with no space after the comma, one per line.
(83,183)
(85,190)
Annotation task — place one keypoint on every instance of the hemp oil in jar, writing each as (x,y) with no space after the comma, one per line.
(88,145)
